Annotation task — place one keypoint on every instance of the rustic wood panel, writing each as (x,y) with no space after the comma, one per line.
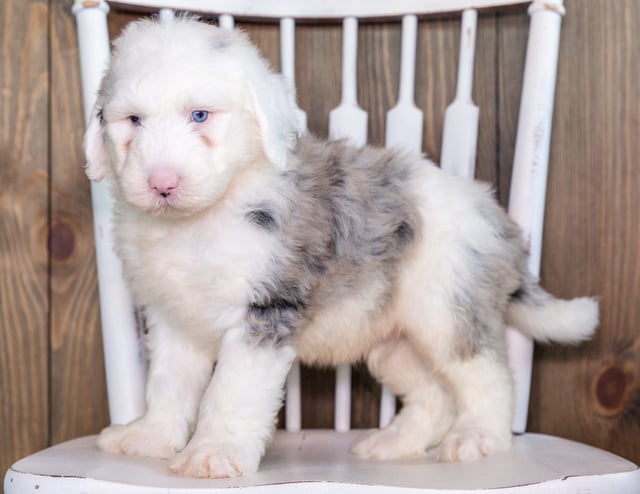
(78,390)
(24,304)
(592,241)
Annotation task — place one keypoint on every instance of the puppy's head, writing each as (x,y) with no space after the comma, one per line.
(183,108)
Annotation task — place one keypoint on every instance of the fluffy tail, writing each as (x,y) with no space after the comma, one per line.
(543,317)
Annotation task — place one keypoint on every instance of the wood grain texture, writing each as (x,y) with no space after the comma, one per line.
(24,357)
(592,240)
(78,390)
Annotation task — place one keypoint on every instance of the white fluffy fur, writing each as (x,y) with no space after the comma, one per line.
(191,259)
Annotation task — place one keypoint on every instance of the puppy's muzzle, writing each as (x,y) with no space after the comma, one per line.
(164,182)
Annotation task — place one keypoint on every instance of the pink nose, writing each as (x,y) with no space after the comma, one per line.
(163,182)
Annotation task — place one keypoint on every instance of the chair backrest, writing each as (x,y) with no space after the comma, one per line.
(125,368)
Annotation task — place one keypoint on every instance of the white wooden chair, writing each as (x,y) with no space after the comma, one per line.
(318,460)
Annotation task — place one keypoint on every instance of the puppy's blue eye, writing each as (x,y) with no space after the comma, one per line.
(135,120)
(199,115)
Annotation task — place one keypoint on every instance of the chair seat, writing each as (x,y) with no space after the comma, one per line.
(319,461)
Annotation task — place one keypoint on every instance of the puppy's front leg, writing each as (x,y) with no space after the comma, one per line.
(178,374)
(238,410)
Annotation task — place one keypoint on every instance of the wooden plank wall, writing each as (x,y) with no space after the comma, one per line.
(51,376)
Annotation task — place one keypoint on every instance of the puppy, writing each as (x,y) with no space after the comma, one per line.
(248,246)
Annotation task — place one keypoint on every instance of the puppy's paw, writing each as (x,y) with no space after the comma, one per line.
(139,438)
(389,443)
(215,461)
(471,444)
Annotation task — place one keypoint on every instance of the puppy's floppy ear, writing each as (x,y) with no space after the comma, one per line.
(273,105)
(94,149)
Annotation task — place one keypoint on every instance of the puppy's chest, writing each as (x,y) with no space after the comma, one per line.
(198,275)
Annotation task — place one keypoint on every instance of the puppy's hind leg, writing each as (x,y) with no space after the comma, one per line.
(466,346)
(483,389)
(427,412)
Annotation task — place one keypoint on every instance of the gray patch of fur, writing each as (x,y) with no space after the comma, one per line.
(220,43)
(100,117)
(529,292)
(346,222)
(481,300)
(106,90)
(263,218)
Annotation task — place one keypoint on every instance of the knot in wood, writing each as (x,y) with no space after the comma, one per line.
(62,241)
(612,389)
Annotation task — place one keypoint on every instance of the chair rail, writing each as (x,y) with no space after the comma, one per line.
(320,9)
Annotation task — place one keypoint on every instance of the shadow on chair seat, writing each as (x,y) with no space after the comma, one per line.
(321,461)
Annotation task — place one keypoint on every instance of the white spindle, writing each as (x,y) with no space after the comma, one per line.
(460,133)
(405,120)
(293,418)
(387,407)
(348,120)
(293,415)
(530,165)
(93,45)
(123,351)
(226,21)
(350,60)
(467,54)
(342,417)
(287,62)
(167,15)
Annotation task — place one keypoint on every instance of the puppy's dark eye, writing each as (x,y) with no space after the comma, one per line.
(135,120)
(199,115)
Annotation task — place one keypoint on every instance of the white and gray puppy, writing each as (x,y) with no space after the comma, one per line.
(249,247)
